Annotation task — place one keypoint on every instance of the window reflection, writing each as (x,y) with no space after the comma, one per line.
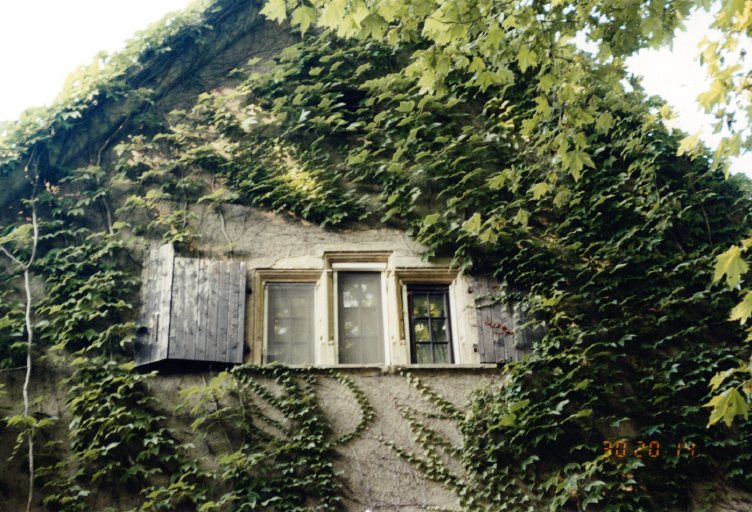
(430,338)
(290,335)
(360,329)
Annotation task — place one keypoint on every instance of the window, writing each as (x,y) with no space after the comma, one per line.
(290,323)
(360,308)
(285,326)
(430,333)
(360,318)
(347,307)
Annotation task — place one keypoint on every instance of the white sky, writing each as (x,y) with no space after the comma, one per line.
(41,41)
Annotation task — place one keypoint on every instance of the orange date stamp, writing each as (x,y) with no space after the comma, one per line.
(651,449)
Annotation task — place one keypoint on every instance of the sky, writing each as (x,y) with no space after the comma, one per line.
(42,41)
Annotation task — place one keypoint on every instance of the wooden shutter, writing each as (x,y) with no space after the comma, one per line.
(192,309)
(501,335)
(156,295)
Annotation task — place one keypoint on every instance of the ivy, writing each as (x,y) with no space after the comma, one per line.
(284,460)
(614,251)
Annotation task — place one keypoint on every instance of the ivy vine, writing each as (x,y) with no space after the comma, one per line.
(614,255)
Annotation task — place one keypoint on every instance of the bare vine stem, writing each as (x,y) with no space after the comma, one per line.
(26,267)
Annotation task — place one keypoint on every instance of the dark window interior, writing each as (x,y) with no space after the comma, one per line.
(430,333)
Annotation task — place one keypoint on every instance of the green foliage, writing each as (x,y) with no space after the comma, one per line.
(614,255)
(286,448)
(734,401)
(12,329)
(494,141)
(115,436)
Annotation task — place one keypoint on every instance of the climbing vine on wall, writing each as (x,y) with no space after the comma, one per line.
(614,254)
(616,260)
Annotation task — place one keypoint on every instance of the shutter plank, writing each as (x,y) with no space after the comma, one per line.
(223,316)
(166,257)
(202,308)
(484,308)
(232,311)
(215,279)
(176,317)
(143,351)
(238,355)
(190,322)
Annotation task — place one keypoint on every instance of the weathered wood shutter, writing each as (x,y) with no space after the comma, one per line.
(192,309)
(501,335)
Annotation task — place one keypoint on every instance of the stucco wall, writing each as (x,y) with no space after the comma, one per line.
(374,476)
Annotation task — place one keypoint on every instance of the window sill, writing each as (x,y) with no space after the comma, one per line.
(392,369)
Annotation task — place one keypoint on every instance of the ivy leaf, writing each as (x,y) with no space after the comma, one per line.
(507,420)
(303,16)
(521,218)
(604,122)
(689,145)
(333,14)
(712,96)
(539,190)
(220,195)
(472,225)
(547,82)
(732,265)
(720,377)
(405,106)
(727,406)
(575,161)
(743,310)
(19,235)
(275,10)
(543,106)
(430,220)
(476,65)
(526,58)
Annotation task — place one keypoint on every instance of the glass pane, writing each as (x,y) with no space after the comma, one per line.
(371,325)
(369,298)
(421,330)
(441,353)
(298,354)
(280,304)
(423,353)
(351,323)
(300,304)
(281,331)
(290,332)
(372,349)
(439,330)
(350,295)
(301,330)
(430,336)
(420,305)
(436,305)
(360,329)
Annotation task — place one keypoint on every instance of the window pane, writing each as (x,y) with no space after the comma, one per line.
(281,331)
(421,331)
(441,353)
(430,334)
(439,330)
(420,305)
(290,328)
(360,329)
(436,305)
(423,353)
